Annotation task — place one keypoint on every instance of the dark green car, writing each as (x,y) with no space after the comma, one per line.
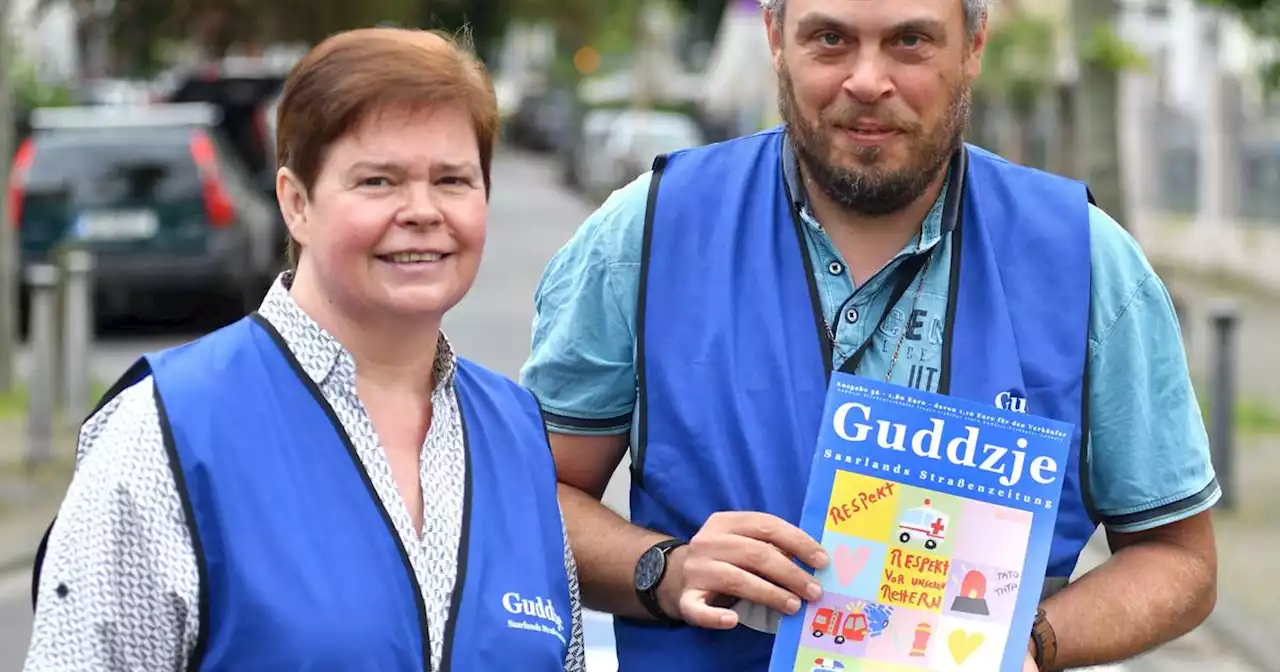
(154,193)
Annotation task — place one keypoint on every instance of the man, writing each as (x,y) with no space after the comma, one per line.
(696,316)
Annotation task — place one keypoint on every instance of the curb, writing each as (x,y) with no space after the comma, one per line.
(1243,635)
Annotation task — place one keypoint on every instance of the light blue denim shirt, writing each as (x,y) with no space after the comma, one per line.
(1149,457)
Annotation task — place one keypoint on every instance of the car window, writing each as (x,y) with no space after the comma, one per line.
(110,165)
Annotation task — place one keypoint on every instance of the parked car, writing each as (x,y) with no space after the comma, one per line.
(154,193)
(634,139)
(583,154)
(544,121)
(245,92)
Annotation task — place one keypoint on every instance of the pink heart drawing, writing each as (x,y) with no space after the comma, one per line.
(849,563)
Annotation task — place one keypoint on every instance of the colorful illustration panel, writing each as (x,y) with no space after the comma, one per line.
(856,567)
(861,506)
(813,660)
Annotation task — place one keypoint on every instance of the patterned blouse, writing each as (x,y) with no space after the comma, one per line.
(119,587)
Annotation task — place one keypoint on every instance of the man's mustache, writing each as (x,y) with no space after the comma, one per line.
(849,116)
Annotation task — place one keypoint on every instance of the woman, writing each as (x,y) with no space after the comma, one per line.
(324,484)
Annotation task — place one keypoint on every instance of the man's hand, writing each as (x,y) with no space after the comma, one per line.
(740,555)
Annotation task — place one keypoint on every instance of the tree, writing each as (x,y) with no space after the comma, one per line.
(1019,67)
(8,269)
(1101,56)
(1263,19)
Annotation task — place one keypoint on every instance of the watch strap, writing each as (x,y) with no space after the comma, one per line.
(649,598)
(1045,642)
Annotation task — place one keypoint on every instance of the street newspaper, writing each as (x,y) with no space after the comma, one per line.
(937,514)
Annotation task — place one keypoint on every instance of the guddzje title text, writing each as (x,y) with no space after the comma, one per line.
(852,421)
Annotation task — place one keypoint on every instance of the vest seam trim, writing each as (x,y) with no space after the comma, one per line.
(314,390)
(449,633)
(196,659)
(953,301)
(642,295)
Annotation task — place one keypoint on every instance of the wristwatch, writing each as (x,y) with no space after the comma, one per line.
(1045,642)
(651,568)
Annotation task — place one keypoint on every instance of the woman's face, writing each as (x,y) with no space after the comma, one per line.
(395,224)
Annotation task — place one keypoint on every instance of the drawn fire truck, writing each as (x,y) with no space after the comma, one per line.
(923,522)
(841,625)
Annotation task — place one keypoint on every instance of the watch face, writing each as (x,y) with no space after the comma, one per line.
(649,569)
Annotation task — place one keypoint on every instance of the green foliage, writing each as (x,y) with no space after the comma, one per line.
(29,90)
(1105,49)
(1019,60)
(1263,19)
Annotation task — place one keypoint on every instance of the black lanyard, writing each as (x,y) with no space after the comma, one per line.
(906,274)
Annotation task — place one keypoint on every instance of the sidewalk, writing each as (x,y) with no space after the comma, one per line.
(1248,615)
(28,503)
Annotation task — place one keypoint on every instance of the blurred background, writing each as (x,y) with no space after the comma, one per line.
(137,206)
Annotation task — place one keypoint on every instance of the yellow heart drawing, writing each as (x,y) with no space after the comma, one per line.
(963,644)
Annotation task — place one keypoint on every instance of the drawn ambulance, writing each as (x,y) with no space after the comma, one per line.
(923,522)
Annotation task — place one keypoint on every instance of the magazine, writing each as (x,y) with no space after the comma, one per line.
(937,514)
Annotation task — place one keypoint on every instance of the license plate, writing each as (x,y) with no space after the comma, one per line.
(116,225)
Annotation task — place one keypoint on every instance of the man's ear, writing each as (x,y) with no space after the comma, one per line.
(293,204)
(977,45)
(773,28)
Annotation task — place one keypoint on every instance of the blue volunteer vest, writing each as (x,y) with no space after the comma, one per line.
(733,363)
(301,567)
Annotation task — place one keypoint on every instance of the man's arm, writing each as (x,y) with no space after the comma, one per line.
(1150,476)
(606,546)
(1158,585)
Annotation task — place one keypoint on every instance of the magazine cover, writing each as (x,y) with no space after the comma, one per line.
(937,514)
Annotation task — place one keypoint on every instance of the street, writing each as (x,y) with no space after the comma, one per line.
(530,218)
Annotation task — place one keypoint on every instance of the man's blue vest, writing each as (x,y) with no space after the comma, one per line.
(733,363)
(301,566)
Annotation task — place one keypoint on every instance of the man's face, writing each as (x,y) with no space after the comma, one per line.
(875,94)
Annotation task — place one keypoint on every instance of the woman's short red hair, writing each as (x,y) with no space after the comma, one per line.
(355,74)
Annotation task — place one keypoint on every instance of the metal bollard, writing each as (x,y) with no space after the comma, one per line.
(43,282)
(1226,318)
(77,334)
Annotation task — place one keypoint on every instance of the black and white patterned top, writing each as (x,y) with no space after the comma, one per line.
(122,549)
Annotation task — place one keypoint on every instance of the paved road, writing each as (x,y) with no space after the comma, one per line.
(530,219)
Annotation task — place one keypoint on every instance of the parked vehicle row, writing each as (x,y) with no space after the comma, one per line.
(598,149)
(174,196)
(155,192)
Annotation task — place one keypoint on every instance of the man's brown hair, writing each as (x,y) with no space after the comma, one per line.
(355,74)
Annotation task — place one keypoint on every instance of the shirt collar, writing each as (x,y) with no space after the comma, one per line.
(941,220)
(317,350)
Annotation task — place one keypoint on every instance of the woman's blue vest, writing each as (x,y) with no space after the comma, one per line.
(300,565)
(733,360)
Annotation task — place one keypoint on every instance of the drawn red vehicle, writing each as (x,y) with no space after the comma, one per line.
(840,625)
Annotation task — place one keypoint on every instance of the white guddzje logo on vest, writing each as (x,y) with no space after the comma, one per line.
(1011,401)
(538,615)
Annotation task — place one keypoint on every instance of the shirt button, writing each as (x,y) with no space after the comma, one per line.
(851,315)
(835,268)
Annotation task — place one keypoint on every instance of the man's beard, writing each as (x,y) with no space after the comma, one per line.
(870,190)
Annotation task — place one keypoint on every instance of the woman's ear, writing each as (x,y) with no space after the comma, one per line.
(293,204)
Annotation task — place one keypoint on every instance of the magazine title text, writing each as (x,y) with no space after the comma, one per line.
(853,422)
